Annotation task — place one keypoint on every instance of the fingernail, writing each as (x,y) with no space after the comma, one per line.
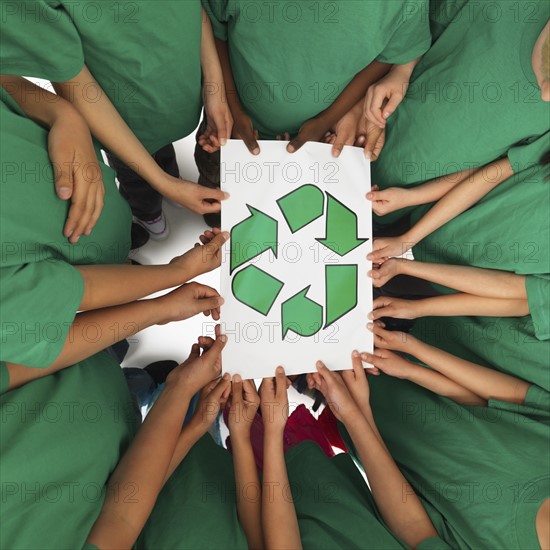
(290,149)
(226,195)
(355,353)
(368,155)
(369,256)
(221,301)
(87,232)
(69,233)
(237,378)
(226,235)
(223,338)
(280,370)
(256,151)
(370,326)
(227,376)
(76,240)
(223,141)
(64,193)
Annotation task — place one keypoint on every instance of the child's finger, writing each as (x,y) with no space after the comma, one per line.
(394,100)
(280,382)
(237,389)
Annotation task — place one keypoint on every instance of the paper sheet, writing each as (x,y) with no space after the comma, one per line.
(294,273)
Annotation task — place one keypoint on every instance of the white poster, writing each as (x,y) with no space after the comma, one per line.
(294,272)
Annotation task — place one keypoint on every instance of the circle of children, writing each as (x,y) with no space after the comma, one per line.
(449,101)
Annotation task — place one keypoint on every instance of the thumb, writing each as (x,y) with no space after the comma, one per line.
(212,357)
(208,304)
(392,104)
(217,242)
(296,143)
(206,193)
(64,181)
(237,389)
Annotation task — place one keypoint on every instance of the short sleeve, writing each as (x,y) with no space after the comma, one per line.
(536,405)
(433,543)
(217,12)
(538,296)
(539,399)
(39,304)
(39,39)
(528,152)
(412,38)
(89,546)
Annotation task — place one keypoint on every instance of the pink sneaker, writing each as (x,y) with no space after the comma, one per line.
(157,228)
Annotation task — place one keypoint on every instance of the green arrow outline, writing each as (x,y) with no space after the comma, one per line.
(278,201)
(360,240)
(326,292)
(265,273)
(304,291)
(273,248)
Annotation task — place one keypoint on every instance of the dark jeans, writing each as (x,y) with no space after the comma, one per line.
(208,164)
(144,201)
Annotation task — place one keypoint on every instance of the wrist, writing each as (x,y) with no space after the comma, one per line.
(179,273)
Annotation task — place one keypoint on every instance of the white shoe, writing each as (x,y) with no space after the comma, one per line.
(157,228)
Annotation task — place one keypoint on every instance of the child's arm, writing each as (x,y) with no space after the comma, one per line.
(93,331)
(242,128)
(218,115)
(244,405)
(478,281)
(279,520)
(76,170)
(145,463)
(481,381)
(450,305)
(399,506)
(315,128)
(111,130)
(458,199)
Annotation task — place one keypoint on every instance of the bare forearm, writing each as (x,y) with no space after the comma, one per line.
(187,438)
(231,91)
(461,197)
(400,507)
(457,305)
(108,126)
(482,381)
(490,283)
(434,190)
(277,506)
(249,492)
(144,468)
(210,63)
(111,285)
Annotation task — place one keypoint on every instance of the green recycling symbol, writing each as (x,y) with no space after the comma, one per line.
(258,233)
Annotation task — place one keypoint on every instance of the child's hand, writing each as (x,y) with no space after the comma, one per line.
(371,138)
(243,406)
(189,300)
(212,399)
(385,272)
(388,200)
(384,96)
(356,381)
(199,369)
(312,130)
(201,258)
(345,130)
(244,129)
(274,402)
(389,363)
(219,121)
(78,177)
(392,339)
(389,247)
(397,308)
(197,198)
(335,391)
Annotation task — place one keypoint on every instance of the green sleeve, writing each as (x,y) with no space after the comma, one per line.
(39,303)
(529,152)
(4,377)
(39,39)
(539,399)
(536,405)
(433,543)
(538,296)
(217,11)
(89,546)
(412,37)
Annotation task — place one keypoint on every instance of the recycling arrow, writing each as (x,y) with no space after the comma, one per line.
(341,228)
(340,290)
(252,237)
(256,288)
(301,315)
(302,206)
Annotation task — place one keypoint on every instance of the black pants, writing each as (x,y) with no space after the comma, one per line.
(144,201)
(208,164)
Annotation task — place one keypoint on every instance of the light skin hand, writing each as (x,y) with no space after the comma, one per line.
(388,200)
(389,247)
(274,402)
(386,271)
(392,339)
(345,131)
(204,257)
(243,406)
(372,138)
(397,308)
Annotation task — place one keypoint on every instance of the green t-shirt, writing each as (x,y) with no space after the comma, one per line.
(291,60)
(145,55)
(472,100)
(61,437)
(196,508)
(40,290)
(480,472)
